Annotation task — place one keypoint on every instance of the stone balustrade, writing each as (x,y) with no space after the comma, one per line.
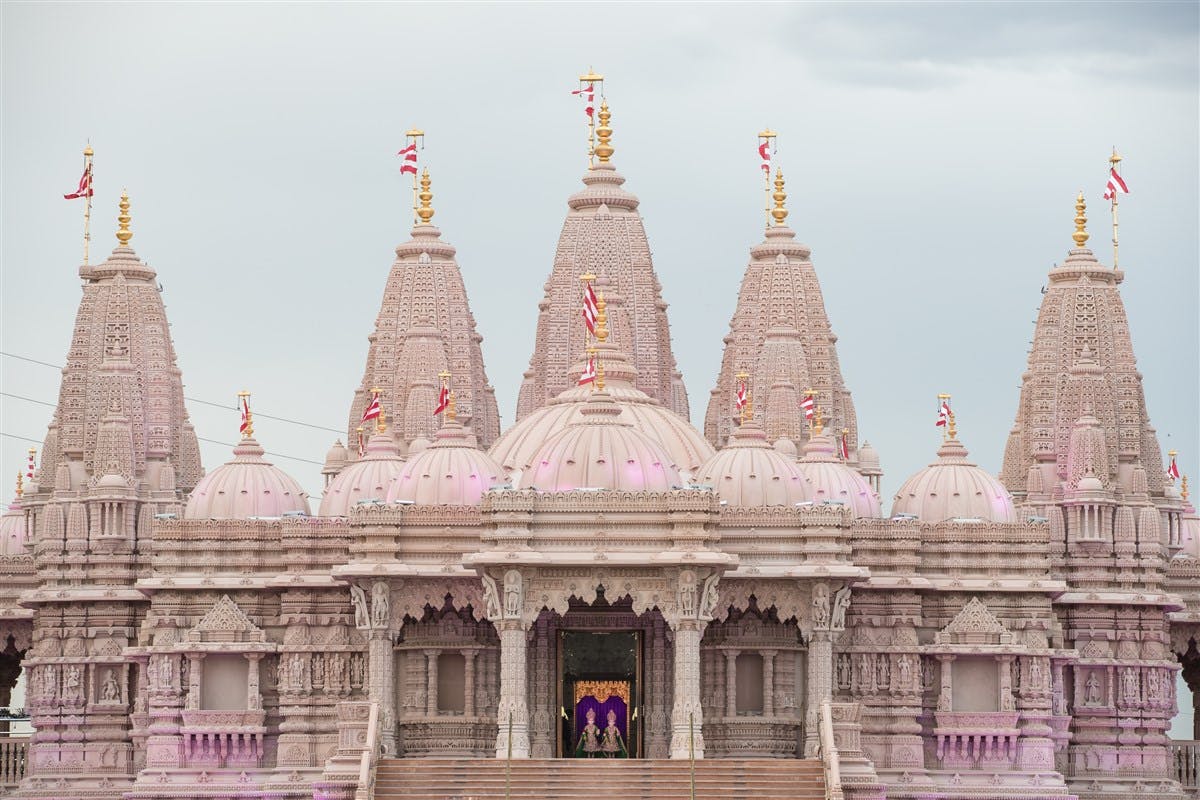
(1185,757)
(14,755)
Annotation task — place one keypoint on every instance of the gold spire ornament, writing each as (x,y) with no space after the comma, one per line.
(451,407)
(589,85)
(779,212)
(1080,235)
(87,199)
(413,138)
(604,149)
(425,212)
(818,421)
(123,219)
(601,336)
(1183,488)
(21,485)
(247,424)
(1113,161)
(766,146)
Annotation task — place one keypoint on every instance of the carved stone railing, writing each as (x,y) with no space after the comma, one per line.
(223,738)
(1185,758)
(350,772)
(965,739)
(369,758)
(14,755)
(829,754)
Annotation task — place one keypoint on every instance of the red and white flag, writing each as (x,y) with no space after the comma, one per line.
(588,93)
(1172,469)
(410,159)
(809,406)
(739,400)
(1116,185)
(373,409)
(845,446)
(589,372)
(764,152)
(943,413)
(245,426)
(85,185)
(29,471)
(591,308)
(443,400)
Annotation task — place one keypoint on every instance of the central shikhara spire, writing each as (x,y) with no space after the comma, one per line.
(603,235)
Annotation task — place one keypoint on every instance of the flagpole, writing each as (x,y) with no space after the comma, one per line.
(944,399)
(87,201)
(410,138)
(768,137)
(1113,161)
(592,78)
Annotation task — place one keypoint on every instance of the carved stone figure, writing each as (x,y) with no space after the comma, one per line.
(904,665)
(72,680)
(1092,689)
(1036,678)
(712,597)
(166,671)
(820,606)
(1129,685)
(491,600)
(687,594)
(882,672)
(512,594)
(110,690)
(841,602)
(379,604)
(358,597)
(843,670)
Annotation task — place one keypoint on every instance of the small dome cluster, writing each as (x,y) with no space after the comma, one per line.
(369,478)
(13,529)
(246,487)
(451,471)
(830,480)
(954,488)
(750,473)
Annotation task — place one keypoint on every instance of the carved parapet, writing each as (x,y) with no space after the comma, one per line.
(223,738)
(969,739)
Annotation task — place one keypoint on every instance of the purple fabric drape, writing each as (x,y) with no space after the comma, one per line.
(613,703)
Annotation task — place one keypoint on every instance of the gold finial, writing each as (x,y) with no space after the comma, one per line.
(1114,159)
(779,212)
(601,318)
(604,150)
(1183,490)
(425,212)
(818,423)
(381,423)
(951,427)
(599,375)
(248,423)
(88,151)
(591,77)
(1080,235)
(123,232)
(21,484)
(451,412)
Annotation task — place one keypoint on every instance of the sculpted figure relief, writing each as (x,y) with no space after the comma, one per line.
(841,602)
(905,667)
(379,604)
(820,606)
(110,690)
(491,598)
(711,597)
(687,594)
(512,594)
(1092,689)
(358,597)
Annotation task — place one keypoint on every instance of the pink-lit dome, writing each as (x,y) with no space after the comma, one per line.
(516,448)
(369,478)
(451,471)
(601,450)
(828,479)
(246,487)
(13,530)
(954,488)
(748,472)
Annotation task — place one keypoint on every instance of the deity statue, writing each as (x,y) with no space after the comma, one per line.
(1092,685)
(379,604)
(841,602)
(512,594)
(711,597)
(1035,674)
(687,594)
(1129,685)
(843,671)
(359,598)
(905,667)
(589,738)
(611,742)
(110,690)
(820,606)
(72,679)
(166,672)
(882,671)
(491,601)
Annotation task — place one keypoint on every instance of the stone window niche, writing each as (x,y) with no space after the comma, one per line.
(749,684)
(451,683)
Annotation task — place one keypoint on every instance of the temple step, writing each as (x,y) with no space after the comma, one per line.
(586,779)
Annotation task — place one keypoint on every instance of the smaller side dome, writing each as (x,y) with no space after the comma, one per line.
(787,447)
(13,530)
(830,480)
(369,478)
(450,471)
(600,450)
(246,487)
(335,460)
(868,458)
(954,488)
(749,473)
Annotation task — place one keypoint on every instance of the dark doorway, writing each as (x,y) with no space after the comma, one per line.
(600,671)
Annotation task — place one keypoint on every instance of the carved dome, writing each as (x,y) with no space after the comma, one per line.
(748,472)
(954,488)
(370,477)
(601,450)
(830,480)
(13,530)
(246,487)
(450,471)
(868,457)
(516,448)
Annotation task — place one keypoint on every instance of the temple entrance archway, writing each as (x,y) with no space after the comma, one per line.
(599,675)
(601,647)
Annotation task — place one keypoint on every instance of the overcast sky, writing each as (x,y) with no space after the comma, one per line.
(932,152)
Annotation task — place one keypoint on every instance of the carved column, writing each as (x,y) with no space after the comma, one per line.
(375,624)
(196,664)
(946,692)
(469,682)
(819,684)
(253,690)
(768,681)
(431,686)
(687,717)
(512,713)
(731,683)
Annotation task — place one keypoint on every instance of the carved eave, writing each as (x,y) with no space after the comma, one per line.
(401,569)
(1053,588)
(800,572)
(1168,602)
(603,558)
(81,596)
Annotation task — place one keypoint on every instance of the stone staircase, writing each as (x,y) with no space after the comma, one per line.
(588,779)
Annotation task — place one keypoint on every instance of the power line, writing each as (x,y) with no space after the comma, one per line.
(200,438)
(226,406)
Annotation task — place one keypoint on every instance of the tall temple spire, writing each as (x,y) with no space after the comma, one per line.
(425,326)
(603,235)
(780,334)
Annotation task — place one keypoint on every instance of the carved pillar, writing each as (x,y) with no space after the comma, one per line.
(196,664)
(687,717)
(731,683)
(431,686)
(768,680)
(512,713)
(819,684)
(946,692)
(253,691)
(1004,664)
(469,682)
